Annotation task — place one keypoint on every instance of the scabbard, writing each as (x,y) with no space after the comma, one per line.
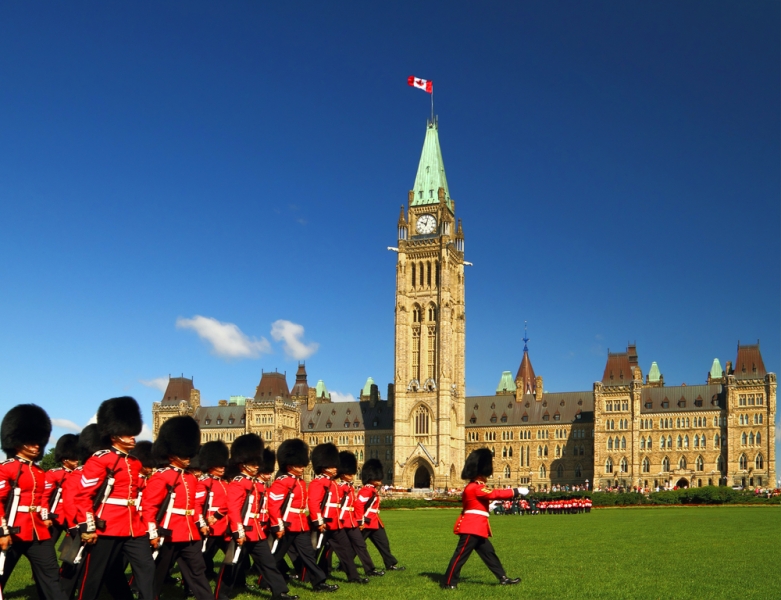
(229,552)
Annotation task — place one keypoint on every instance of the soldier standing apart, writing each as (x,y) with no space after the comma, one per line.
(244,500)
(472,526)
(324,512)
(349,510)
(369,512)
(170,509)
(105,500)
(212,498)
(286,507)
(24,522)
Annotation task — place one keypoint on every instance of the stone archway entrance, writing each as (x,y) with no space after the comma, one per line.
(682,483)
(422,478)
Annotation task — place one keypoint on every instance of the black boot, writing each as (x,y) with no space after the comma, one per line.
(359,580)
(325,587)
(396,568)
(504,580)
(375,573)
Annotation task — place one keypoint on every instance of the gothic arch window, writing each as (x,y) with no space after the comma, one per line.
(682,463)
(720,464)
(428,274)
(759,462)
(624,466)
(432,312)
(743,461)
(507,471)
(699,464)
(743,439)
(642,443)
(716,440)
(696,441)
(510,452)
(669,441)
(420,273)
(436,273)
(578,470)
(539,451)
(751,438)
(558,451)
(416,314)
(623,443)
(649,443)
(661,443)
(686,441)
(608,466)
(414,280)
(680,442)
(545,451)
(560,471)
(543,472)
(422,421)
(665,464)
(759,438)
(646,465)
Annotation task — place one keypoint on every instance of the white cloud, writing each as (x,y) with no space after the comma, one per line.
(66,424)
(159,383)
(146,434)
(227,339)
(290,335)
(339,397)
(92,419)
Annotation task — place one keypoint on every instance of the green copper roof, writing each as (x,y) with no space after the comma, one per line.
(238,400)
(654,374)
(367,388)
(431,171)
(321,390)
(506,383)
(716,371)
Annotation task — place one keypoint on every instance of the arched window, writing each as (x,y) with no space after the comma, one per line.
(682,463)
(716,441)
(578,470)
(608,466)
(545,451)
(421,273)
(646,465)
(560,471)
(720,464)
(699,463)
(414,280)
(642,443)
(661,443)
(510,452)
(504,452)
(696,441)
(686,441)
(649,443)
(743,461)
(422,421)
(428,274)
(507,471)
(624,466)
(669,441)
(539,451)
(759,462)
(665,464)
(543,472)
(623,443)
(680,442)
(743,439)
(759,438)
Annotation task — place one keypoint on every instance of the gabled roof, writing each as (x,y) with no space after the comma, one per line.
(178,389)
(218,417)
(682,398)
(749,363)
(567,405)
(360,416)
(431,171)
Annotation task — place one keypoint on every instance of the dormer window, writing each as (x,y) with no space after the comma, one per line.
(504,419)
(665,403)
(557,417)
(525,418)
(207,421)
(375,423)
(493,419)
(681,403)
(347,424)
(311,425)
(493,405)
(328,425)
(649,404)
(230,421)
(473,420)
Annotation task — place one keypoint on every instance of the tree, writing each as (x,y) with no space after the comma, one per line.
(48,462)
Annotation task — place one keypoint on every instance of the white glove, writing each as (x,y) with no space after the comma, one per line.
(523,490)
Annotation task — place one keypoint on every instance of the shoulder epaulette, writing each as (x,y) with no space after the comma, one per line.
(7,461)
(56,469)
(283,476)
(102,452)
(238,478)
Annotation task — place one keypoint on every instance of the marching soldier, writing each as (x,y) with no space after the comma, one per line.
(368,513)
(105,500)
(212,496)
(67,454)
(244,501)
(325,510)
(472,525)
(287,504)
(24,519)
(170,509)
(348,518)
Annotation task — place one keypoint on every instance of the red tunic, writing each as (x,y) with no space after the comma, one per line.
(120,512)
(245,524)
(296,521)
(265,522)
(323,503)
(185,519)
(347,517)
(69,487)
(54,480)
(31,480)
(474,513)
(369,510)
(218,506)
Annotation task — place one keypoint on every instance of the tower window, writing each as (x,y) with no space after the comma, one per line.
(420,194)
(413,274)
(431,193)
(422,421)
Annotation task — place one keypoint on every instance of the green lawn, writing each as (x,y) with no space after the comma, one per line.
(719,552)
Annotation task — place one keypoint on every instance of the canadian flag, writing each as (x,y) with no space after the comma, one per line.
(422,84)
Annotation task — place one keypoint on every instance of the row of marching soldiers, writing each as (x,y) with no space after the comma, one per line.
(139,505)
(535,507)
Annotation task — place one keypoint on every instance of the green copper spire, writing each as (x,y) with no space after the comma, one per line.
(321,390)
(506,383)
(653,373)
(431,171)
(716,371)
(367,389)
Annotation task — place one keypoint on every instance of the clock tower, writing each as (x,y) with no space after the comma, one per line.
(430,331)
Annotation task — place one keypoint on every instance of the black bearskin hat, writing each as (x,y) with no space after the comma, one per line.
(67,448)
(247,449)
(24,424)
(119,417)
(143,452)
(324,456)
(195,464)
(213,455)
(269,460)
(348,464)
(178,436)
(372,471)
(90,441)
(479,462)
(292,453)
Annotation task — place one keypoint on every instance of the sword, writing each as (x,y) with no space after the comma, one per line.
(206,507)
(10,523)
(250,500)
(288,501)
(166,521)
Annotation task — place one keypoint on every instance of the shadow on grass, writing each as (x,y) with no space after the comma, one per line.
(26,592)
(439,579)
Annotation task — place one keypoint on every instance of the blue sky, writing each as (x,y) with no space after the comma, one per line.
(616,168)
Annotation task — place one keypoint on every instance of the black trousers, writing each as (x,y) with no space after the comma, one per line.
(213,544)
(301,541)
(262,557)
(485,550)
(359,547)
(43,562)
(190,559)
(337,542)
(103,558)
(380,540)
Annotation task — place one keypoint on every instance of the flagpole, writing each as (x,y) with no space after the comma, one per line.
(432,103)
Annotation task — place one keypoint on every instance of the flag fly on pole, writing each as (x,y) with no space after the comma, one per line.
(422,84)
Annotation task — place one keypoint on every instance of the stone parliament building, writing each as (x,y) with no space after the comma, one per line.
(627,430)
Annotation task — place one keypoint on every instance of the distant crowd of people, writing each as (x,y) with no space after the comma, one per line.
(533,506)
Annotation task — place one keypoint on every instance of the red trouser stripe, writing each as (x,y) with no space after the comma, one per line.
(84,577)
(450,576)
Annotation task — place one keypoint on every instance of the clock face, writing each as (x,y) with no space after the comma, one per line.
(426,224)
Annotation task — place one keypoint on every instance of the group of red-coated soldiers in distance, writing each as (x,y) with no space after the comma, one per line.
(532,506)
(117,503)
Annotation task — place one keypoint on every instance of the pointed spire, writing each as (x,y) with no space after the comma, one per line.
(431,171)
(402,218)
(525,379)
(653,373)
(716,372)
(506,383)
